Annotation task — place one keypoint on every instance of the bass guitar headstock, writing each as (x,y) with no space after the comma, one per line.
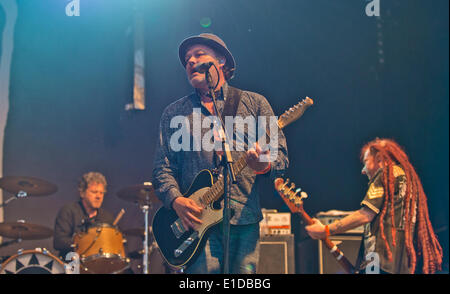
(292,196)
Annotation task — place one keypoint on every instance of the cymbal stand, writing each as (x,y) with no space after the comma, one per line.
(145,208)
(20,194)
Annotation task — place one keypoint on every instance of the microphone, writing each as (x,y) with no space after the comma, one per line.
(203,67)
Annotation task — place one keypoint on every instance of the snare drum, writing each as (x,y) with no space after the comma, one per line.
(101,250)
(37,261)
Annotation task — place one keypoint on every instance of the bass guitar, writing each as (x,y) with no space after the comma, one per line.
(178,245)
(294,201)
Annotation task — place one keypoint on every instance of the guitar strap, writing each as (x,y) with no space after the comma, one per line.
(230,109)
(231,102)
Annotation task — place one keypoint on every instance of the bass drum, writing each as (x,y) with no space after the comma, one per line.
(37,261)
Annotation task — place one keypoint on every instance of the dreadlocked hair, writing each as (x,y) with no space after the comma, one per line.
(428,248)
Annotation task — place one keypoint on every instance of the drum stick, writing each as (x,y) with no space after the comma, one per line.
(119,216)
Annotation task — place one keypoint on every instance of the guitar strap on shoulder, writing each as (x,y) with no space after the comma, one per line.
(230,109)
(231,102)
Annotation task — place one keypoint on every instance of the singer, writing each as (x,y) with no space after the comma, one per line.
(78,216)
(174,171)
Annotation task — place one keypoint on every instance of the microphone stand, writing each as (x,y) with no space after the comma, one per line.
(228,171)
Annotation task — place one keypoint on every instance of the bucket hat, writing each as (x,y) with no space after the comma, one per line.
(215,43)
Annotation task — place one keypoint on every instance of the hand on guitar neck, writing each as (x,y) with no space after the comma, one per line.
(354,220)
(316,230)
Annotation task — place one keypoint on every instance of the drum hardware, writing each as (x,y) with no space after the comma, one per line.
(140,253)
(23,187)
(145,209)
(7,243)
(144,196)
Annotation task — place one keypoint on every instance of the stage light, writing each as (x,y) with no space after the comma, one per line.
(205,22)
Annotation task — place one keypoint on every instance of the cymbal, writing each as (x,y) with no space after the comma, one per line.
(25,231)
(31,186)
(143,194)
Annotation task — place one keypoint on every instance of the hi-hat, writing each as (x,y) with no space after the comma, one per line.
(143,194)
(28,186)
(25,231)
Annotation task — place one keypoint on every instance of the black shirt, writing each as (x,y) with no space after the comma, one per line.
(73,218)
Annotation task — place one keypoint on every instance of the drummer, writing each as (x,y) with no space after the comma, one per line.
(80,215)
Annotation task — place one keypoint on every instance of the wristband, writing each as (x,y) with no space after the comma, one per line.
(327,231)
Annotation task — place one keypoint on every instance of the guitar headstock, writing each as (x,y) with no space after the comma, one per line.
(294,113)
(291,196)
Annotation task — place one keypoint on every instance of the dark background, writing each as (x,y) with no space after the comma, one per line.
(72,76)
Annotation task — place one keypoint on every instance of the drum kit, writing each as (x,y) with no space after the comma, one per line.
(99,249)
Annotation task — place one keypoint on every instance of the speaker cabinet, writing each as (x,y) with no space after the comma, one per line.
(348,244)
(276,255)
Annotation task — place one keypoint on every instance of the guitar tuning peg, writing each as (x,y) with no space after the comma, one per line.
(298,201)
(284,185)
(292,186)
(303,195)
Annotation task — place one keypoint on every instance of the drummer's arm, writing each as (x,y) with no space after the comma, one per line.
(64,229)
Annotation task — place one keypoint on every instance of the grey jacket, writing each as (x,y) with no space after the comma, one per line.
(174,170)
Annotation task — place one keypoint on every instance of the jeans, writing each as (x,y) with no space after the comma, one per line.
(243,251)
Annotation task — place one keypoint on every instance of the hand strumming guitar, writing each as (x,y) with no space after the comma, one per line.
(188,211)
(254,162)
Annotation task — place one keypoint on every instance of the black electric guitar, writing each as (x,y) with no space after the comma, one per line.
(295,203)
(178,245)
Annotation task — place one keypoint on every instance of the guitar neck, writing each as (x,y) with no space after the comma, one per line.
(217,190)
(295,204)
(289,116)
(334,250)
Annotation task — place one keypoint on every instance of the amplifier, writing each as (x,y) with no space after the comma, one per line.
(276,255)
(275,223)
(348,244)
